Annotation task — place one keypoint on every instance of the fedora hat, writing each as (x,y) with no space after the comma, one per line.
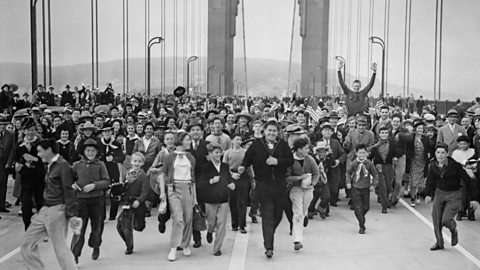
(90,142)
(452,112)
(85,116)
(28,122)
(320,145)
(243,114)
(4,120)
(179,91)
(89,126)
(194,124)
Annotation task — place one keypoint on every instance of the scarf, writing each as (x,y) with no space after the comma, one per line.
(28,143)
(133,175)
(323,174)
(361,168)
(109,144)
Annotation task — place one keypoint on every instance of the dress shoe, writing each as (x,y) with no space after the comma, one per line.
(4,210)
(384,210)
(197,244)
(243,231)
(459,217)
(187,252)
(128,252)
(305,221)
(234,229)
(334,204)
(148,214)
(218,253)
(172,255)
(111,218)
(454,237)
(310,215)
(323,214)
(254,219)
(436,247)
(209,237)
(161,227)
(269,253)
(471,214)
(362,230)
(297,246)
(76,259)
(179,248)
(95,253)
(8,205)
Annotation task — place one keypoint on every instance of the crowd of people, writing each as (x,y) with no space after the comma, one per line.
(199,158)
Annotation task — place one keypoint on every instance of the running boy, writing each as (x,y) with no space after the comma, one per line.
(358,176)
(214,184)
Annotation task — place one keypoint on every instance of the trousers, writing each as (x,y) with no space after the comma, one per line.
(320,192)
(445,207)
(238,204)
(399,170)
(301,199)
(334,177)
(129,220)
(51,222)
(385,184)
(30,194)
(180,197)
(361,204)
(272,204)
(89,209)
(216,214)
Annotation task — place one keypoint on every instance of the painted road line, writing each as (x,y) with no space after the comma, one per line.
(461,249)
(239,252)
(9,255)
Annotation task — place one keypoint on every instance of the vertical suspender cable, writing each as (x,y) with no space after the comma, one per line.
(96,43)
(127,49)
(49,45)
(436,53)
(408,44)
(387,43)
(193,30)
(199,49)
(342,30)
(370,33)
(440,52)
(162,55)
(291,46)
(175,37)
(185,40)
(245,47)
(145,45)
(405,50)
(123,46)
(349,38)
(44,46)
(93,44)
(359,31)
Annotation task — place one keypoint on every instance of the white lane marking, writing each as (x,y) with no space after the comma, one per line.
(239,252)
(9,255)
(461,249)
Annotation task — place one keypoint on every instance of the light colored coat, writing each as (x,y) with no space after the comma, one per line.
(445,135)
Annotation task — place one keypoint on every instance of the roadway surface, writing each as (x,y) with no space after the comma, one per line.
(398,240)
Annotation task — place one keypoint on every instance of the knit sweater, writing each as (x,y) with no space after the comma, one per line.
(361,179)
(91,172)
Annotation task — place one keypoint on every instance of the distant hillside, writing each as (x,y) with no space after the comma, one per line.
(265,76)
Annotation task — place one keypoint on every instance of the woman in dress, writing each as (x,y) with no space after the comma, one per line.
(421,155)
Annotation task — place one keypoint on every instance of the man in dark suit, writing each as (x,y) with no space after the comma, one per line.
(199,150)
(7,144)
(339,155)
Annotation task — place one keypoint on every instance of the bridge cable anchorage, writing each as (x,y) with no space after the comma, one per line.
(291,46)
(244,47)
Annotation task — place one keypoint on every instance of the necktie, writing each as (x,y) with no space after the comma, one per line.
(194,146)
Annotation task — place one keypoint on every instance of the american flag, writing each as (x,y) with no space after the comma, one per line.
(314,110)
(379,104)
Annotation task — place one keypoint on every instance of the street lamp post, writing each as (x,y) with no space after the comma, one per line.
(220,82)
(342,60)
(191,59)
(313,77)
(379,41)
(151,42)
